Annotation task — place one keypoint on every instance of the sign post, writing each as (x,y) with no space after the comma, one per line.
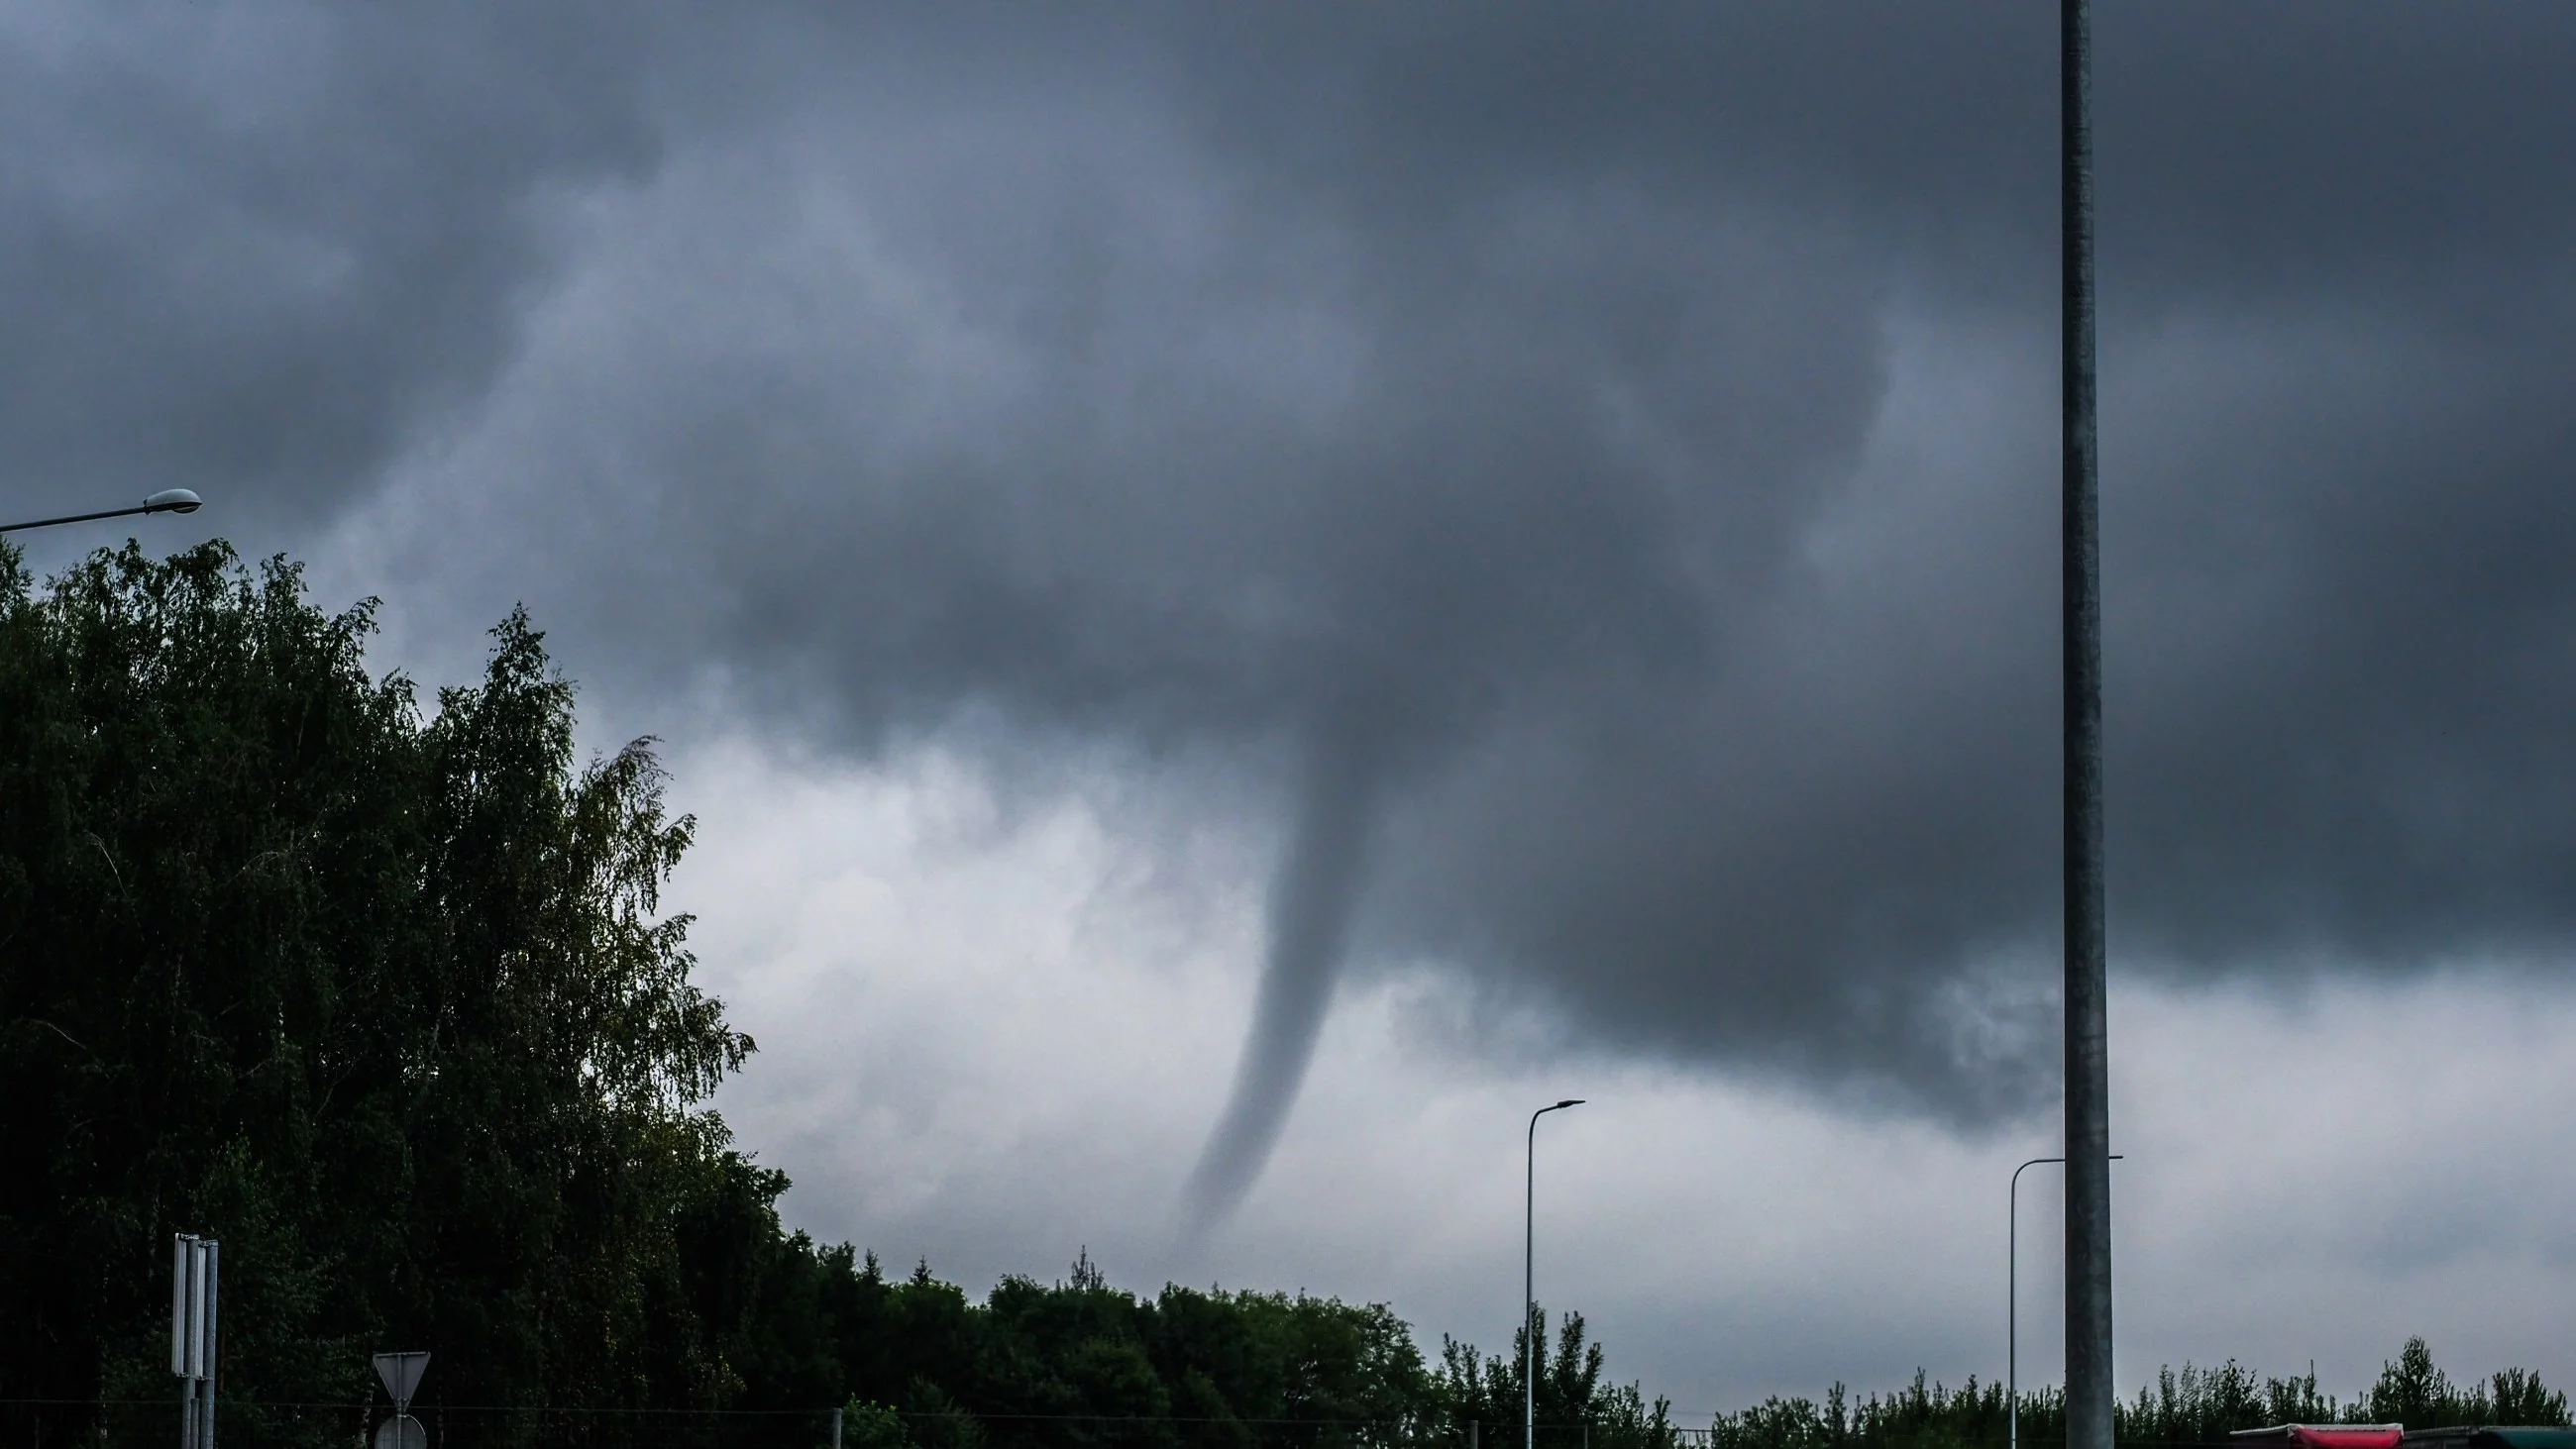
(401,1375)
(194,1262)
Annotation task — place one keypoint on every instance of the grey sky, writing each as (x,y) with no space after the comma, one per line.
(992,1034)
(1596,462)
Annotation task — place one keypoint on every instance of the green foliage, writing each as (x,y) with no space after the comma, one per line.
(1573,1405)
(381,1001)
(2517,1396)
(1080,1363)
(869,1425)
(2186,1406)
(1920,1414)
(2204,1406)
(2413,1392)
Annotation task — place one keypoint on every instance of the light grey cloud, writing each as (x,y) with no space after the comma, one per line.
(991,1031)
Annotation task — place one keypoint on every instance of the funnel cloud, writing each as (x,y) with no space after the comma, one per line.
(1311,899)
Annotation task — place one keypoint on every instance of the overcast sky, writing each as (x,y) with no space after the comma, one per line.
(1245,593)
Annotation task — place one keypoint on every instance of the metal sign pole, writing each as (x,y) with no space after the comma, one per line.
(183,1334)
(214,1277)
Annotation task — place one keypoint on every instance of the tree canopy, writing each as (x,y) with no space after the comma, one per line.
(379,998)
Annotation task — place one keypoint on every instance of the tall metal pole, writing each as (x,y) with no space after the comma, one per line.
(2012,1303)
(214,1340)
(1529,1292)
(2089,1391)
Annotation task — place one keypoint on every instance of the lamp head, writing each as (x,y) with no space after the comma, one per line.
(173,500)
(1571,1102)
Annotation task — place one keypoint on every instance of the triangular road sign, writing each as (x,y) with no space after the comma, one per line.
(401,1373)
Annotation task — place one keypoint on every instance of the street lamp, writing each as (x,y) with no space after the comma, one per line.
(1529,1297)
(2012,1299)
(168,500)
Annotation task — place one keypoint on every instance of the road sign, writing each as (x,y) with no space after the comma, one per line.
(192,1306)
(182,1302)
(401,1373)
(402,1431)
(195,1271)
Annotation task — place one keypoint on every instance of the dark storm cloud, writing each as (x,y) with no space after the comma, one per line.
(1599,463)
(248,248)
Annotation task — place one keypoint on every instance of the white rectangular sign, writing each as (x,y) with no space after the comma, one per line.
(193,1279)
(179,1304)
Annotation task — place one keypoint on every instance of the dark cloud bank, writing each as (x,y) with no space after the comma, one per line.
(1597,462)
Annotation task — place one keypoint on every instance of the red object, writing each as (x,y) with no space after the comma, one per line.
(2327,1436)
(2359,1436)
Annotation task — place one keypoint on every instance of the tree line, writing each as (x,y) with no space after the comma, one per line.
(2191,1405)
(382,995)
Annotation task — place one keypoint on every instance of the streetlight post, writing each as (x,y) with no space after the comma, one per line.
(1529,1294)
(168,500)
(2012,1300)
